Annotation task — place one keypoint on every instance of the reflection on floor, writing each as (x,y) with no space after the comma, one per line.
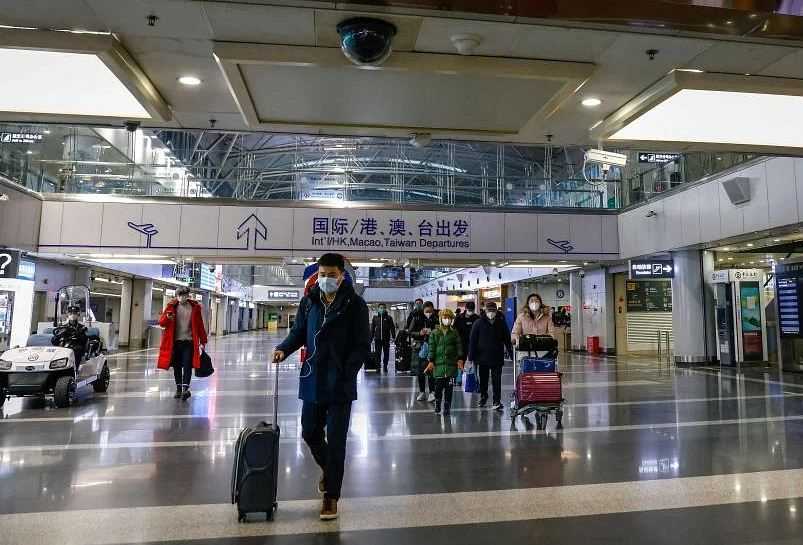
(714,456)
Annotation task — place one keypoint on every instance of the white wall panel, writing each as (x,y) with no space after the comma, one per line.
(610,235)
(521,233)
(166,218)
(115,231)
(199,227)
(50,226)
(710,225)
(690,216)
(586,233)
(755,213)
(731,218)
(488,233)
(81,224)
(782,193)
(673,222)
(555,227)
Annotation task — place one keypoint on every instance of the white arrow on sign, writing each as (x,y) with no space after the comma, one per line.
(667,268)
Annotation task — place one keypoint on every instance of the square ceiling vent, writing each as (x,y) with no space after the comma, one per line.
(69,76)
(310,89)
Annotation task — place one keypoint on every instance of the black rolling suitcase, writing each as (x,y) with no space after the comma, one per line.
(255,478)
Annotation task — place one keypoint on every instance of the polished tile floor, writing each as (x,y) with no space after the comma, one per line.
(649,454)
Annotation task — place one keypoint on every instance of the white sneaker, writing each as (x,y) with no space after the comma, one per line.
(421,397)
(498,407)
(431,398)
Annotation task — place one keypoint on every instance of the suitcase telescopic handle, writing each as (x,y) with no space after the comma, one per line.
(276,397)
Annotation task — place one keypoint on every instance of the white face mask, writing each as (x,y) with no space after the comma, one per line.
(72,317)
(428,315)
(491,315)
(327,285)
(446,321)
(535,306)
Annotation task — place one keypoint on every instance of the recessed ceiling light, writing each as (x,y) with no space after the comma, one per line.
(726,249)
(29,152)
(190,81)
(776,240)
(749,244)
(591,102)
(46,131)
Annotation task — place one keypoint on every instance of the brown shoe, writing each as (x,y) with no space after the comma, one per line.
(329,509)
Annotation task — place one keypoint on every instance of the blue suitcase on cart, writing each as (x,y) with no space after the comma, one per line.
(532,364)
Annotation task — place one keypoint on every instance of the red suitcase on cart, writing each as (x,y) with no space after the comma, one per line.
(538,388)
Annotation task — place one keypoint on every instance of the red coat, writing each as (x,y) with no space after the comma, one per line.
(198,335)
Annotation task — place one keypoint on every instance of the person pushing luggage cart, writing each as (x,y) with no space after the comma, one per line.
(538,382)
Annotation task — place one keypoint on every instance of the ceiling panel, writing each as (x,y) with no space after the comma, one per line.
(72,14)
(330,96)
(212,95)
(739,58)
(314,88)
(177,18)
(560,43)
(261,24)
(623,70)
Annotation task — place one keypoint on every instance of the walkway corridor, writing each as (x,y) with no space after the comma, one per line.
(648,455)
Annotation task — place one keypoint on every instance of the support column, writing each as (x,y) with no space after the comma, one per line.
(688,315)
(710,306)
(125,312)
(222,316)
(576,302)
(140,312)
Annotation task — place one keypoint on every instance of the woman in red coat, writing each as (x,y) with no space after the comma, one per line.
(183,337)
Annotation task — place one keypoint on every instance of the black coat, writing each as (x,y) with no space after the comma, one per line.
(338,343)
(383,328)
(418,322)
(488,342)
(463,325)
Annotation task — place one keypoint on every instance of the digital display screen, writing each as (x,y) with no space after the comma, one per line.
(788,293)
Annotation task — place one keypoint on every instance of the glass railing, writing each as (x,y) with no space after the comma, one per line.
(650,181)
(333,171)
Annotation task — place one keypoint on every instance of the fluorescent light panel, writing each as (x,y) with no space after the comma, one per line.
(720,117)
(60,83)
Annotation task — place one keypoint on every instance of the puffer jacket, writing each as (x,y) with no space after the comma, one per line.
(445,349)
(526,324)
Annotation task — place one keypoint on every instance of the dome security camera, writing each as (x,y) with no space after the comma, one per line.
(366,41)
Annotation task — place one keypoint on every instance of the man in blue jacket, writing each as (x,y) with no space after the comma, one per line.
(332,322)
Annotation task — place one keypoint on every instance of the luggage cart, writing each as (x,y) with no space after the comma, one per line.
(538,387)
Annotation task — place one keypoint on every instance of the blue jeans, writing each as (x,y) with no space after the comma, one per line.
(324,428)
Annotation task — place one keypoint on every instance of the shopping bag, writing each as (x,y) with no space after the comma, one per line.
(472,385)
(423,353)
(206,369)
